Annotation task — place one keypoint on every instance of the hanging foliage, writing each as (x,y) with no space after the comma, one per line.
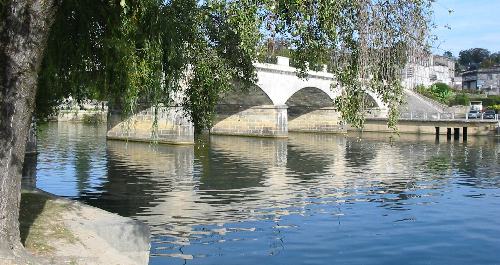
(132,51)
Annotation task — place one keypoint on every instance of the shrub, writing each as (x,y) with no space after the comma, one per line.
(420,89)
(92,118)
(460,99)
(441,91)
(496,108)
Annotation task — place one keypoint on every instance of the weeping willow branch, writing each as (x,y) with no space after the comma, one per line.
(133,51)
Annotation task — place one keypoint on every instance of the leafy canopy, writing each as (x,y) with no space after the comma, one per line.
(475,55)
(132,51)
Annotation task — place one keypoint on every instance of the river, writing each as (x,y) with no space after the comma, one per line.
(309,199)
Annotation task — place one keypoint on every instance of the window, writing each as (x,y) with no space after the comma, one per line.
(409,72)
(490,77)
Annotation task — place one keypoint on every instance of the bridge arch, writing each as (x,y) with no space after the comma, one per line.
(280,82)
(282,102)
(310,109)
(247,97)
(281,85)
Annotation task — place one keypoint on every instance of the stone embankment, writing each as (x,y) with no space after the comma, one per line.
(101,237)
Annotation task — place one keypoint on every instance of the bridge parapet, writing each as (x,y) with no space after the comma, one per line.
(283,67)
(439,116)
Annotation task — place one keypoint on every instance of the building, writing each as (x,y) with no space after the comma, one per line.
(428,70)
(457,82)
(482,79)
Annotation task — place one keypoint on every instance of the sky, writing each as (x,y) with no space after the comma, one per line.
(472,24)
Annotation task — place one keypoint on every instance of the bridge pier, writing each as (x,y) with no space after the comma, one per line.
(308,119)
(173,126)
(262,121)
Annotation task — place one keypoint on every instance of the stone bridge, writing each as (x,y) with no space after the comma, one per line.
(280,102)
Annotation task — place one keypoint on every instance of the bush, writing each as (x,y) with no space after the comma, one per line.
(441,91)
(496,108)
(460,99)
(420,89)
(92,118)
(489,101)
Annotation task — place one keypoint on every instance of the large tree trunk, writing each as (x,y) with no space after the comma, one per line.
(24,30)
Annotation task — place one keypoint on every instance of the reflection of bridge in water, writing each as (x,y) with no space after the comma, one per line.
(230,178)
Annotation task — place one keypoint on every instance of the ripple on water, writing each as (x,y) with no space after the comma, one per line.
(309,199)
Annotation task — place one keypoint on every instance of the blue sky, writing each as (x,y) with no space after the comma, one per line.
(473,24)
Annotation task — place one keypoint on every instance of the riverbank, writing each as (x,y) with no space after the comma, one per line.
(62,231)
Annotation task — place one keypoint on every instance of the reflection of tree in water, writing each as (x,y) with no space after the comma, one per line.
(29,170)
(124,191)
(359,153)
(437,165)
(231,175)
(306,165)
(82,167)
(131,185)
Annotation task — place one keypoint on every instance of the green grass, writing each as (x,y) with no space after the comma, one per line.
(40,223)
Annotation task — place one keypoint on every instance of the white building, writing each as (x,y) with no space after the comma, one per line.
(428,70)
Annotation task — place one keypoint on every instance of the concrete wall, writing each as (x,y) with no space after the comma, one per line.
(429,127)
(263,121)
(174,126)
(82,115)
(89,111)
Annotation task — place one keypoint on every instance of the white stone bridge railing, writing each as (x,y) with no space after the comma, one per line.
(432,116)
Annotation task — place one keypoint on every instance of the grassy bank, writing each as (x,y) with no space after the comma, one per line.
(40,223)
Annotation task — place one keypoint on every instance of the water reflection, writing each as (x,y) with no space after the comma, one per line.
(261,198)
(72,158)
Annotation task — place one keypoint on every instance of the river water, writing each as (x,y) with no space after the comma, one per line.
(309,199)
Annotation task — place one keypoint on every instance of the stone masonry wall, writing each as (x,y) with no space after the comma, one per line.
(324,120)
(264,121)
(173,126)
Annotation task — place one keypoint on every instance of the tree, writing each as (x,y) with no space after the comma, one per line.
(486,64)
(475,55)
(441,91)
(495,58)
(448,55)
(24,29)
(130,51)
